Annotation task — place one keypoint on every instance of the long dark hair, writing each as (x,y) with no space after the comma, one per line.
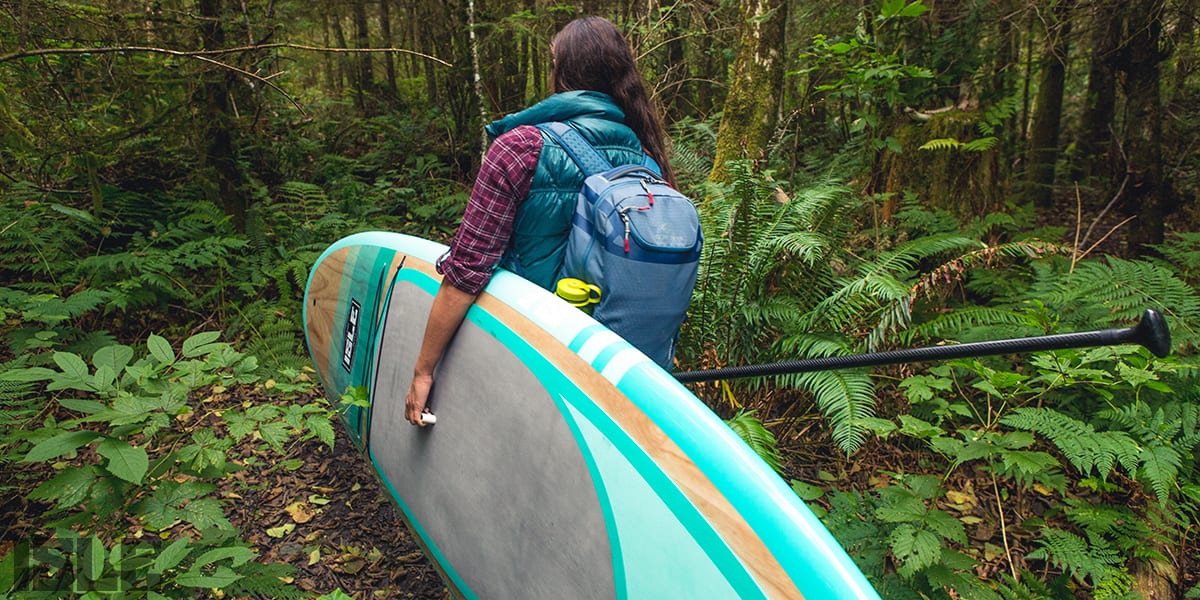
(590,53)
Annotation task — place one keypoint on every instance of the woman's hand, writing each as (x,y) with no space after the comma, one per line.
(417,398)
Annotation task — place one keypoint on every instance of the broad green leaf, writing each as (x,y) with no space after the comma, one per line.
(914,548)
(73,212)
(221,577)
(68,488)
(87,407)
(115,357)
(104,379)
(59,445)
(274,434)
(239,554)
(914,9)
(205,513)
(1028,462)
(807,491)
(72,366)
(28,375)
(946,525)
(93,559)
(124,461)
(890,8)
(200,344)
(171,556)
(9,568)
(160,349)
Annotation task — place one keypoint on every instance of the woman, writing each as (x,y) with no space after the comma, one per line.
(520,209)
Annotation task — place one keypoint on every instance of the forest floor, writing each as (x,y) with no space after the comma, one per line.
(351,538)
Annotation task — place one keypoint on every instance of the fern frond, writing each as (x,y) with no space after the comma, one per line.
(846,398)
(940,144)
(1085,448)
(759,438)
(1115,291)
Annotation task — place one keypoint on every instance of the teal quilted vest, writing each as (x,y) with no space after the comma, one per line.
(543,220)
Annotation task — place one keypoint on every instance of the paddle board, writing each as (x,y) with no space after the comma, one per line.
(564,463)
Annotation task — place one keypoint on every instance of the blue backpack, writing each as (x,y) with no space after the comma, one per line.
(638,239)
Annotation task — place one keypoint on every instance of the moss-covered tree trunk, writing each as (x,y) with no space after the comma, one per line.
(964,182)
(1047,115)
(216,126)
(1146,191)
(751,108)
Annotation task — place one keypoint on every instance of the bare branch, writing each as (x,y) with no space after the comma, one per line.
(201,53)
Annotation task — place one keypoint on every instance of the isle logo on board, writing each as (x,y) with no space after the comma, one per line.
(351,335)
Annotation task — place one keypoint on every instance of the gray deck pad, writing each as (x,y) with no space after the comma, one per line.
(500,446)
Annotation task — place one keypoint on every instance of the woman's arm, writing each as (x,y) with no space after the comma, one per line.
(449,309)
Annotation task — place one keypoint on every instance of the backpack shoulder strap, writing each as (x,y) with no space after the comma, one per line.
(585,156)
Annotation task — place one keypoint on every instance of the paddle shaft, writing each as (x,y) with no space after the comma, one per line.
(1151,333)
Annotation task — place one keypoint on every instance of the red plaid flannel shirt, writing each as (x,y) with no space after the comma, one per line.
(502,184)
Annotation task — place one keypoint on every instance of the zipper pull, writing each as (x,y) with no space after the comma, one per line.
(625,220)
(648,192)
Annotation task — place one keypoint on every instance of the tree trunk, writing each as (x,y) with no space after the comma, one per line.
(751,108)
(1047,116)
(1095,136)
(1146,191)
(385,31)
(339,36)
(364,79)
(216,126)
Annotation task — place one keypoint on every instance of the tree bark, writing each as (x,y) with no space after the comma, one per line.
(1095,137)
(216,126)
(751,108)
(364,77)
(1146,192)
(385,32)
(1047,116)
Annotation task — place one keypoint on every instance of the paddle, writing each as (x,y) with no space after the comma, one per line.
(1151,333)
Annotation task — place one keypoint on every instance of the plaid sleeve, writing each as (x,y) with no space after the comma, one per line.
(502,184)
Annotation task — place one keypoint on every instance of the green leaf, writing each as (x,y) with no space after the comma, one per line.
(200,344)
(29,375)
(221,577)
(946,525)
(72,366)
(124,461)
(914,9)
(87,407)
(322,427)
(914,548)
(68,488)
(115,357)
(274,433)
(59,445)
(205,513)
(239,554)
(93,559)
(160,349)
(807,491)
(171,556)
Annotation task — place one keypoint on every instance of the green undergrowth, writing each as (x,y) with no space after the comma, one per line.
(1070,473)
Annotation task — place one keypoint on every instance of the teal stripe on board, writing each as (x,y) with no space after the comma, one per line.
(430,547)
(606,508)
(563,391)
(583,336)
(553,379)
